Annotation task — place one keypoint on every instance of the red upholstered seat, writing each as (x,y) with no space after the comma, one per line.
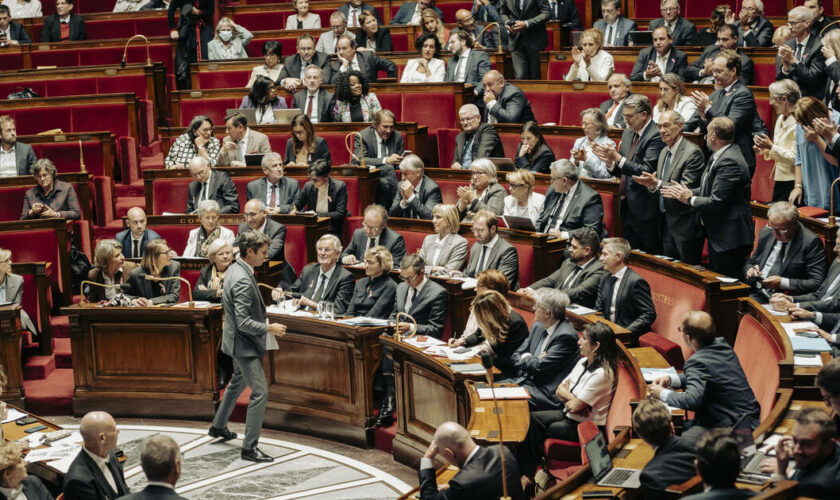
(546,106)
(170,196)
(762,181)
(211,108)
(392,102)
(557,69)
(190,275)
(765,74)
(65,155)
(401,42)
(338,151)
(29,303)
(565,457)
(418,107)
(625,67)
(11,62)
(264,20)
(812,212)
(570,108)
(295,248)
(446,148)
(625,391)
(223,80)
(765,111)
(448,190)
(759,357)
(47,250)
(609,223)
(671,351)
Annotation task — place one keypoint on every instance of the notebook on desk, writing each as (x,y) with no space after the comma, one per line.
(602,466)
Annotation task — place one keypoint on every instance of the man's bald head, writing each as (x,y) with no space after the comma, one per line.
(254,213)
(99,432)
(462,14)
(136,222)
(699,327)
(454,443)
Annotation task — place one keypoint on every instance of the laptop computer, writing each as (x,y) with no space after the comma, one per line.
(254,160)
(751,458)
(520,223)
(602,466)
(641,38)
(285,116)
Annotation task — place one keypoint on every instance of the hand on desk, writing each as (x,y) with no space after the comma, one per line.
(799,313)
(455,342)
(142,302)
(659,385)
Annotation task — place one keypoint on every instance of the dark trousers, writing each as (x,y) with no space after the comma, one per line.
(688,251)
(544,424)
(782,189)
(730,262)
(526,63)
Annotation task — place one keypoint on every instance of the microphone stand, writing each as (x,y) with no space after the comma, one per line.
(487,27)
(84,302)
(125,50)
(82,158)
(361,147)
(171,278)
(831,217)
(397,336)
(487,362)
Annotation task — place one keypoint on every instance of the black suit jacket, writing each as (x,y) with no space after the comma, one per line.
(381,39)
(687,165)
(583,289)
(478,478)
(373,298)
(292,66)
(124,237)
(814,301)
(24,157)
(804,260)
(369,64)
(503,352)
(428,307)
(759,36)
(539,163)
(276,233)
(672,463)
(326,101)
(536,13)
(286,191)
(162,292)
(222,189)
(478,63)
(739,106)
(716,388)
(485,145)
(820,480)
(345,9)
(388,238)
(51,32)
(339,289)
(585,210)
(154,492)
(394,144)
(634,308)
(84,480)
(17,33)
(336,208)
(566,12)
(809,73)
(541,374)
(684,31)
(677,62)
(692,71)
(34,489)
(204,278)
(322,151)
(421,206)
(619,113)
(511,106)
(503,257)
(722,202)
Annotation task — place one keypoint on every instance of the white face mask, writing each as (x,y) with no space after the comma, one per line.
(226,35)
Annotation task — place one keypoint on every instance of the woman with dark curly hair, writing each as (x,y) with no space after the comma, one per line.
(353,100)
(427,67)
(303,147)
(264,100)
(372,36)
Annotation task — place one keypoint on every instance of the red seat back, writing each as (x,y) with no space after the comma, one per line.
(759,357)
(446,147)
(416,108)
(765,74)
(20,243)
(222,80)
(609,223)
(762,181)
(295,249)
(546,106)
(570,108)
(625,391)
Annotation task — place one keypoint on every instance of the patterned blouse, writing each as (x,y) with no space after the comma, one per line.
(183,150)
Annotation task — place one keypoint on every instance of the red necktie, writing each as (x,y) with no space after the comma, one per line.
(355,19)
(309,106)
(272,202)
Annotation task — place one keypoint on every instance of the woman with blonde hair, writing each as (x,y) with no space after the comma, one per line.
(209,230)
(522,200)
(374,295)
(594,125)
(11,289)
(110,268)
(432,25)
(230,41)
(491,279)
(814,169)
(212,276)
(156,263)
(446,250)
(672,97)
(591,64)
(781,150)
(831,49)
(781,35)
(14,480)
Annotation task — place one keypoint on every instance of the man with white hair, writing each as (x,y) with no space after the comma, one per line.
(208,184)
(325,280)
(680,27)
(754,30)
(96,473)
(417,194)
(476,140)
(800,58)
(329,39)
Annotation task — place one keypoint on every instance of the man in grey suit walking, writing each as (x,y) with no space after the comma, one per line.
(244,338)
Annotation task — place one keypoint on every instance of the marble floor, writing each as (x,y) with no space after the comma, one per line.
(304,467)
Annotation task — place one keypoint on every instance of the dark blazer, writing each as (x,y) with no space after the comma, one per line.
(542,374)
(623,28)
(84,480)
(687,165)
(804,260)
(286,191)
(585,210)
(96,293)
(536,13)
(14,295)
(394,144)
(388,238)
(421,206)
(672,463)
(154,492)
(583,289)
(566,12)
(814,301)
(809,73)
(17,33)
(326,101)
(692,71)
(722,202)
(634,308)
(62,199)
(337,207)
(540,162)
(25,157)
(759,36)
(511,106)
(276,233)
(503,352)
(739,106)
(222,189)
(373,298)
(322,151)
(381,39)
(479,478)
(163,292)
(345,9)
(716,388)
(339,289)
(292,66)
(722,494)
(684,30)
(478,63)
(485,145)
(820,481)
(677,62)
(124,237)
(51,31)
(33,489)
(154,5)
(619,113)
(369,64)
(503,257)
(406,12)
(204,278)
(428,307)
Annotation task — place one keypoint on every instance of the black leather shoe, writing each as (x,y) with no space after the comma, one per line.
(225,433)
(256,455)
(386,412)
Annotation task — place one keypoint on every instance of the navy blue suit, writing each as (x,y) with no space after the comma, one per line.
(672,463)
(541,374)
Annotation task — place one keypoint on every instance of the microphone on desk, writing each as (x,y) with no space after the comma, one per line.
(147,277)
(487,363)
(125,50)
(294,295)
(831,218)
(124,287)
(361,148)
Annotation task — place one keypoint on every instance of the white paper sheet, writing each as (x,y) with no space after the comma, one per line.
(503,393)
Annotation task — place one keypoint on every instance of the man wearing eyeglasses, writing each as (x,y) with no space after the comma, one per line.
(754,30)
(476,140)
(329,39)
(788,256)
(374,231)
(682,29)
(800,58)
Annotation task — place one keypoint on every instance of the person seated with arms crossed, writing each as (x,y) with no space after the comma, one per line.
(212,185)
(16,158)
(110,268)
(325,280)
(272,52)
(230,41)
(263,98)
(624,297)
(479,468)
(584,395)
(135,238)
(156,263)
(569,203)
(373,296)
(714,385)
(683,30)
(328,40)
(11,292)
(64,25)
(580,275)
(374,232)
(381,147)
(466,65)
(275,190)
(490,251)
(317,104)
(160,458)
(483,193)
(532,152)
(550,351)
(718,462)
(446,250)
(417,194)
(325,196)
(241,140)
(198,140)
(51,197)
(304,148)
(212,277)
(209,230)
(476,140)
(595,128)
(96,473)
(522,200)
(11,33)
(15,482)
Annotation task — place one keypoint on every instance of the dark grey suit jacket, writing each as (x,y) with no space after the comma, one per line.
(542,374)
(276,233)
(634,308)
(503,256)
(672,463)
(428,307)
(394,144)
(511,106)
(677,62)
(814,301)
(536,13)
(804,260)
(326,101)
(222,189)
(33,489)
(692,71)
(244,329)
(760,36)
(291,66)
(406,12)
(337,207)
(369,64)
(809,73)
(24,157)
(583,289)
(479,478)
(485,145)
(14,295)
(18,33)
(373,298)
(420,207)
(739,106)
(388,238)
(619,113)
(345,9)
(124,237)
(163,292)
(684,31)
(286,191)
(687,165)
(339,288)
(51,31)
(478,63)
(585,210)
(84,479)
(153,492)
(322,151)
(622,33)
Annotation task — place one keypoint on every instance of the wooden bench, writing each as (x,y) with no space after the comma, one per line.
(53,246)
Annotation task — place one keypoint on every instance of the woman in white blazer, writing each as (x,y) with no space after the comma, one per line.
(303,19)
(428,67)
(522,200)
(672,97)
(446,250)
(591,64)
(209,230)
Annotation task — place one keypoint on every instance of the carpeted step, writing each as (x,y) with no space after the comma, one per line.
(133,189)
(61,353)
(38,367)
(124,204)
(383,437)
(60,326)
(51,396)
(30,347)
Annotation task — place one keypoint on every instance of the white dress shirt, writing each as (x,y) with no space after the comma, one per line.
(437,72)
(600,67)
(461,68)
(618,276)
(102,463)
(532,209)
(8,162)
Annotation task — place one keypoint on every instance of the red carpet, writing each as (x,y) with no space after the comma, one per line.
(50,396)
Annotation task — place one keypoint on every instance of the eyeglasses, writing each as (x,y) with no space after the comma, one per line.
(517,186)
(368,226)
(556,178)
(669,9)
(783,230)
(476,174)
(794,23)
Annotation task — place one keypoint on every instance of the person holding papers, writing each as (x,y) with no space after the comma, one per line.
(374,294)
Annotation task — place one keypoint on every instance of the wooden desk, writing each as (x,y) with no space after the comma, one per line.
(10,334)
(321,379)
(145,362)
(51,477)
(483,425)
